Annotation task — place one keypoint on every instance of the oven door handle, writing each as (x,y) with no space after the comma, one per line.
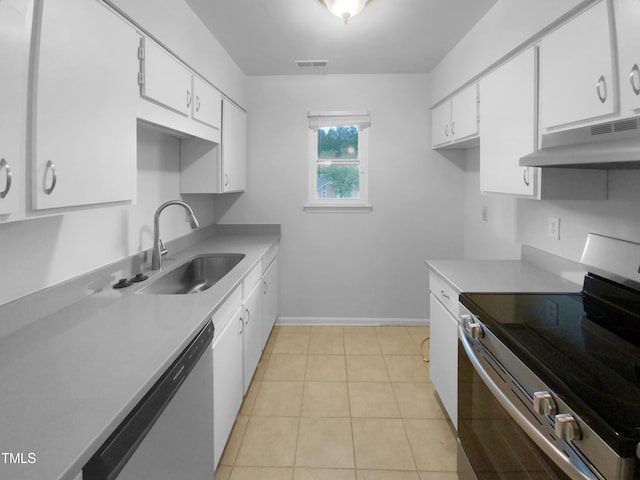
(557,456)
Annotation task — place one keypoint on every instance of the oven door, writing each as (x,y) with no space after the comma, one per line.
(495,438)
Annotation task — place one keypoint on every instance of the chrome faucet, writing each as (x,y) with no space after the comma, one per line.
(158,245)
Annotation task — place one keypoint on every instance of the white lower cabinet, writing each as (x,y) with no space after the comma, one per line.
(252,335)
(270,299)
(443,344)
(227,381)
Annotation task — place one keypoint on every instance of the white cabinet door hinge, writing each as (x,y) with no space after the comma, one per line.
(141,53)
(140,78)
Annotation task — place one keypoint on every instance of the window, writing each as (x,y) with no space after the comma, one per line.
(338,147)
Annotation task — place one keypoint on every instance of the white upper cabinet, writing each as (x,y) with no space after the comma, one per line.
(234,148)
(508,132)
(207,103)
(456,119)
(84,149)
(627,14)
(164,79)
(174,97)
(577,70)
(14,59)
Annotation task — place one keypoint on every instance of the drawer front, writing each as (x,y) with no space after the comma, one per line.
(226,310)
(444,292)
(252,279)
(269,257)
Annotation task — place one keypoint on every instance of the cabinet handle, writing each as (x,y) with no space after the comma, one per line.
(197,103)
(634,78)
(266,287)
(600,87)
(226,180)
(444,294)
(241,324)
(4,165)
(188,98)
(453,128)
(248,316)
(525,176)
(50,167)
(446,130)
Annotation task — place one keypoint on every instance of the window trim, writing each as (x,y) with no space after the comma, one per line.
(332,119)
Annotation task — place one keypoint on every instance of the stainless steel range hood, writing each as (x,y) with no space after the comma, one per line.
(611,145)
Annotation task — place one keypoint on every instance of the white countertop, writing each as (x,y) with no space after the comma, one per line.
(70,378)
(499,276)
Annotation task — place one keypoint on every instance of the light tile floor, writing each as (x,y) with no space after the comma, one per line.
(341,403)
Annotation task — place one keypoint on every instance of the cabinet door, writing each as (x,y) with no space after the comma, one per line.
(440,124)
(627,13)
(207,104)
(85,106)
(14,60)
(234,148)
(166,80)
(252,336)
(464,114)
(508,112)
(270,300)
(443,356)
(576,70)
(227,381)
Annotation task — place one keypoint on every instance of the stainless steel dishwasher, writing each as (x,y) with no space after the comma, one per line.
(169,434)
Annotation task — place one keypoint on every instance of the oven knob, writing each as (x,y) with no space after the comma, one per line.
(567,428)
(543,403)
(473,328)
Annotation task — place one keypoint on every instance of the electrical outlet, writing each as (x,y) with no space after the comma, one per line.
(553,227)
(485,213)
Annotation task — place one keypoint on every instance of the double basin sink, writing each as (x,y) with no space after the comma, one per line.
(195,275)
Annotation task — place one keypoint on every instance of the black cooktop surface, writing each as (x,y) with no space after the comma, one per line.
(584,346)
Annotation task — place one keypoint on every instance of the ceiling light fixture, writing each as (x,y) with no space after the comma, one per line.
(345,9)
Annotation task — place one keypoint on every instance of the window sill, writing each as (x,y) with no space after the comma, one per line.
(361,208)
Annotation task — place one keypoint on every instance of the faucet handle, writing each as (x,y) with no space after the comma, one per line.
(163,249)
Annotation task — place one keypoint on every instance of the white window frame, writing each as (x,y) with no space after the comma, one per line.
(336,119)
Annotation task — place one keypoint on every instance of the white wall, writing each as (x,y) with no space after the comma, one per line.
(358,264)
(37,253)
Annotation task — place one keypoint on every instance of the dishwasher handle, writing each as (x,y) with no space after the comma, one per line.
(116,451)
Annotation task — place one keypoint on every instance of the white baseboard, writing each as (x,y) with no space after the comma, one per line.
(352,321)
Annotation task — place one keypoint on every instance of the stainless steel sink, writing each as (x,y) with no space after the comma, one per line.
(195,275)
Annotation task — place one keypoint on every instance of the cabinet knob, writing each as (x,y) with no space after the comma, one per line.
(567,428)
(543,403)
(50,168)
(4,165)
(634,78)
(601,89)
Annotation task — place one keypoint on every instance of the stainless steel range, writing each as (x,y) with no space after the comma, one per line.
(549,384)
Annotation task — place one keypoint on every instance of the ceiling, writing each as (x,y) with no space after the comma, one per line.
(266,37)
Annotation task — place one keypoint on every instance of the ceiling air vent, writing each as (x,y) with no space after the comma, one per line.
(311,63)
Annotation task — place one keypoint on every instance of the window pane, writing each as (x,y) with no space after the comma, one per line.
(338,181)
(338,142)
